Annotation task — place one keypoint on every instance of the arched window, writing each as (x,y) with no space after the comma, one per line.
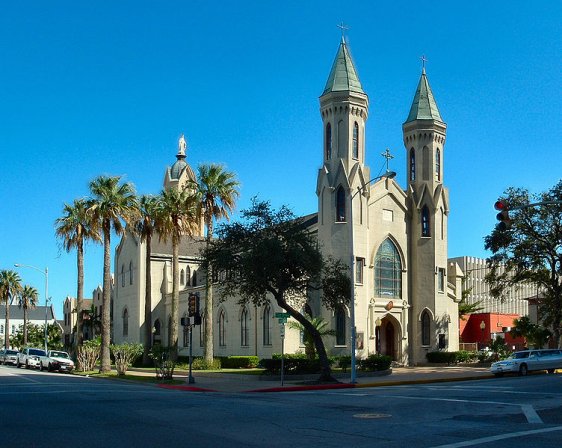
(125,322)
(267,325)
(131,272)
(187,276)
(425,328)
(185,334)
(340,326)
(156,328)
(412,165)
(438,165)
(340,204)
(122,275)
(182,277)
(355,144)
(194,283)
(425,230)
(328,141)
(202,328)
(222,330)
(388,271)
(244,329)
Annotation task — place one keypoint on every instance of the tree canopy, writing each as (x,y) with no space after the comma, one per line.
(271,253)
(530,251)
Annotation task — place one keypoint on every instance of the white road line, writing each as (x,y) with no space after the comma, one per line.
(510,435)
(527,409)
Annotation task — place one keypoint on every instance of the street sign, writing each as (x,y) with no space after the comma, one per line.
(282,315)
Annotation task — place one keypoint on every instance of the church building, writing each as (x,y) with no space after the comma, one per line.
(394,238)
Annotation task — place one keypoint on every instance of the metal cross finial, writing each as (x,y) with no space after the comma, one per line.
(343,29)
(424,60)
(387,156)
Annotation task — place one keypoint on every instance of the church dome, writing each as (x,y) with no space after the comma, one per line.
(177,168)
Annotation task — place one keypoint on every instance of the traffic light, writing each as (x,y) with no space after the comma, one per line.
(193,305)
(503,215)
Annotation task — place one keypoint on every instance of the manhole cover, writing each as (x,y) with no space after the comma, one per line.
(372,415)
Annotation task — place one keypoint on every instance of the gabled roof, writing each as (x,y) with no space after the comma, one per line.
(343,76)
(424,106)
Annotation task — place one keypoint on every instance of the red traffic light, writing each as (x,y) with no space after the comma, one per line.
(501,205)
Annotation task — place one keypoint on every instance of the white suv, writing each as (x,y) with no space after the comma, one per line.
(30,357)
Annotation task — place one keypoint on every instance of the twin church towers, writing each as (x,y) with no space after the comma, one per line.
(406,295)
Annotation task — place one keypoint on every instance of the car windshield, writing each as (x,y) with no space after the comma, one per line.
(36,352)
(59,354)
(11,352)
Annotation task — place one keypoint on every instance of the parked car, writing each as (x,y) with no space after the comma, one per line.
(29,357)
(8,356)
(56,360)
(529,361)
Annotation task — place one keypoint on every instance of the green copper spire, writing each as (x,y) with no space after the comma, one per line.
(424,106)
(343,76)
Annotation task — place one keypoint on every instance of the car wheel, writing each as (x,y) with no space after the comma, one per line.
(523,370)
(41,366)
(18,365)
(26,364)
(50,367)
(551,370)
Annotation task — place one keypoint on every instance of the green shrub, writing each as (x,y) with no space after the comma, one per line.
(344,362)
(164,363)
(466,356)
(200,363)
(374,363)
(124,355)
(292,365)
(442,357)
(239,362)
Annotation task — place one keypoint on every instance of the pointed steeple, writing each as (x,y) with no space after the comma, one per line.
(424,106)
(343,76)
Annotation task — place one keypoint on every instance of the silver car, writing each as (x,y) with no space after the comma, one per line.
(8,357)
(529,361)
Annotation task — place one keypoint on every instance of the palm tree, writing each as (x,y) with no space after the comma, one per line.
(176,216)
(317,322)
(74,227)
(10,287)
(112,202)
(144,227)
(93,320)
(29,298)
(218,191)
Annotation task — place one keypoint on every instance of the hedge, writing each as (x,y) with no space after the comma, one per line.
(239,362)
(443,357)
(373,363)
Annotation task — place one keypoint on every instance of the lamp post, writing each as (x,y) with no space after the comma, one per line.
(46,274)
(388,175)
(378,324)
(482,327)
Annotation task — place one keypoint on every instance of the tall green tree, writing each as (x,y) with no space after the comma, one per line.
(113,203)
(218,192)
(10,287)
(73,229)
(530,252)
(176,217)
(28,300)
(273,254)
(536,335)
(144,228)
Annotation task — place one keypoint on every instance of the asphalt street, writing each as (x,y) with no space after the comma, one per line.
(40,409)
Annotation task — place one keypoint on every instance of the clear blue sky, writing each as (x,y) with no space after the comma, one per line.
(91,88)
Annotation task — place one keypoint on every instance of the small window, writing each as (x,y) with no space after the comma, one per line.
(131,272)
(328,141)
(187,276)
(425,230)
(359,265)
(182,277)
(441,280)
(340,204)
(267,325)
(425,328)
(412,165)
(186,336)
(355,144)
(438,165)
(244,329)
(340,326)
(222,331)
(194,283)
(125,322)
(122,275)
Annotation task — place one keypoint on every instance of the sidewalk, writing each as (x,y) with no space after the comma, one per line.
(235,383)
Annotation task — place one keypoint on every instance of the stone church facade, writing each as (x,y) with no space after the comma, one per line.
(406,292)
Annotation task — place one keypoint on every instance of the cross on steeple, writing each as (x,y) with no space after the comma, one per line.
(343,29)
(388,157)
(424,60)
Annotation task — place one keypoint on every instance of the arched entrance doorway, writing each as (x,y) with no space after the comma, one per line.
(389,334)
